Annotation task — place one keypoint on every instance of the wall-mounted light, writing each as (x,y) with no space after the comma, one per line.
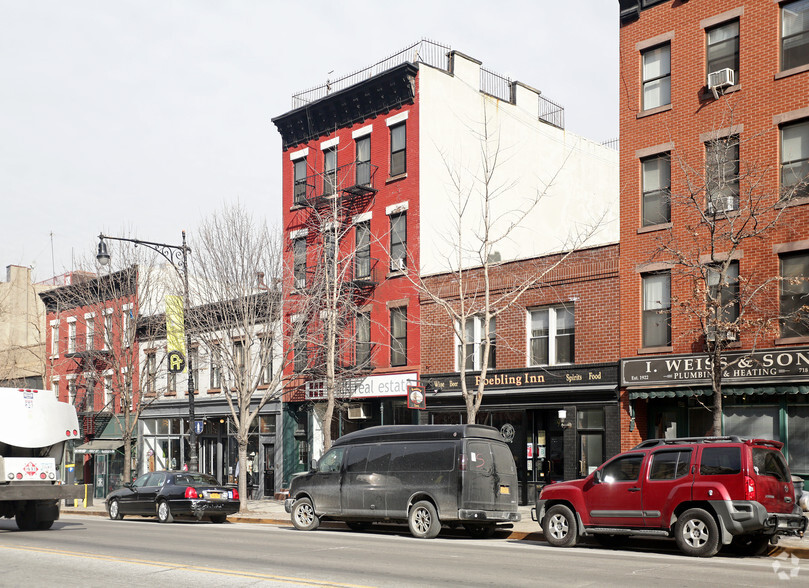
(563,422)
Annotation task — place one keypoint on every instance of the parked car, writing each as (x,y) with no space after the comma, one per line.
(425,475)
(705,492)
(167,494)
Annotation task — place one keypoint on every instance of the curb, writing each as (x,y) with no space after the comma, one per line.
(799,552)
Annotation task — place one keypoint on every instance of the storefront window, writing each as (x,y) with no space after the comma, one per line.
(798,434)
(754,422)
(591,439)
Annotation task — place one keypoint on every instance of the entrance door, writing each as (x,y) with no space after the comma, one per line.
(269,470)
(207,457)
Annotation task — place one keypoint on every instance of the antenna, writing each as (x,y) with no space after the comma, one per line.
(53,259)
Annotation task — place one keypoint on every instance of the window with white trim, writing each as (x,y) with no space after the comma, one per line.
(299,174)
(656,288)
(656,76)
(552,337)
(475,342)
(330,171)
(398,149)
(398,241)
(71,336)
(55,339)
(656,177)
(795,294)
(722,174)
(795,160)
(723,48)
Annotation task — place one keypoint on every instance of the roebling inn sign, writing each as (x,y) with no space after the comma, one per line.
(740,367)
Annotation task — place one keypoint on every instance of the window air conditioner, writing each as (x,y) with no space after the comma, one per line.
(711,335)
(397,264)
(720,79)
(357,412)
(721,204)
(300,283)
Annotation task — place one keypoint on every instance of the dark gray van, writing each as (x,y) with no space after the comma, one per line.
(423,474)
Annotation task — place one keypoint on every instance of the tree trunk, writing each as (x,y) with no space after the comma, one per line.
(716,386)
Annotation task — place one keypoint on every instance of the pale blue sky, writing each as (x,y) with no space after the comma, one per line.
(141,117)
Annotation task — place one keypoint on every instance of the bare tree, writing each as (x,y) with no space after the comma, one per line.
(236,269)
(486,214)
(722,207)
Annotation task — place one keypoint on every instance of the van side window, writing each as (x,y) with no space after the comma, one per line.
(768,462)
(357,458)
(332,461)
(431,457)
(378,459)
(720,461)
(669,465)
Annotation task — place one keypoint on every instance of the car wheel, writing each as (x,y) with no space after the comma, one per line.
(750,545)
(423,520)
(115,510)
(218,519)
(358,525)
(303,515)
(612,541)
(696,533)
(478,531)
(559,526)
(44,525)
(164,512)
(26,519)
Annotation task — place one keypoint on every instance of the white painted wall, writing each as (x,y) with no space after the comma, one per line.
(579,178)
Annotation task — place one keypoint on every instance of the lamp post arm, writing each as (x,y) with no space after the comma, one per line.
(176,255)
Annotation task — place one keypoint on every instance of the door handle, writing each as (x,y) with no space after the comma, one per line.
(634,489)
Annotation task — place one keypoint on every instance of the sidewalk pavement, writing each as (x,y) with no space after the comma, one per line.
(271,512)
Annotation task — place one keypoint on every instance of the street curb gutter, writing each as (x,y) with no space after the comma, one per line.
(799,552)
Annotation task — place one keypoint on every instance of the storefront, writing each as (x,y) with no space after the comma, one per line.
(765,395)
(560,422)
(101,460)
(163,443)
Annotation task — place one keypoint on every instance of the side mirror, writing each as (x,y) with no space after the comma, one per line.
(314,464)
(129,485)
(597,477)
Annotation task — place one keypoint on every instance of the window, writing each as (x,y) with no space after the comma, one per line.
(299,194)
(398,241)
(552,337)
(656,309)
(171,382)
(622,469)
(299,253)
(722,174)
(299,349)
(215,375)
(330,171)
(723,48)
(657,77)
(398,336)
(590,428)
(151,373)
(71,392)
(795,160)
(363,350)
(362,252)
(724,293)
(108,330)
(109,396)
(656,172)
(266,361)
(240,359)
(363,166)
(770,462)
(332,462)
(795,295)
(475,341)
(720,461)
(91,330)
(55,339)
(71,337)
(670,465)
(794,34)
(398,141)
(128,318)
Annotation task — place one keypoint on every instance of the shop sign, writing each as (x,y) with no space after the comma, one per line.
(530,378)
(370,387)
(738,367)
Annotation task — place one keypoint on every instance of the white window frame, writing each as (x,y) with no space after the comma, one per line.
(552,333)
(476,343)
(71,334)
(55,338)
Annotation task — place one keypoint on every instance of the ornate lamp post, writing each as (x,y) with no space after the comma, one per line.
(177,256)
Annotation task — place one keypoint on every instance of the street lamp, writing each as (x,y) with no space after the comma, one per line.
(177,256)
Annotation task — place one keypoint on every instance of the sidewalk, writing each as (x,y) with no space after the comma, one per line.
(271,512)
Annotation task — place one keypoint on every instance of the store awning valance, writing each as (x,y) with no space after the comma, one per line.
(729,391)
(102,446)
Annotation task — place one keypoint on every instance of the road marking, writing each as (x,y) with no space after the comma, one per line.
(176,566)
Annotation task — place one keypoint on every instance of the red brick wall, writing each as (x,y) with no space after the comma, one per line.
(759,97)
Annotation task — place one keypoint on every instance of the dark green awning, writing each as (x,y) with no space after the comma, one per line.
(729,391)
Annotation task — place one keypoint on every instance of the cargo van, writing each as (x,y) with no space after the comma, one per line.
(425,475)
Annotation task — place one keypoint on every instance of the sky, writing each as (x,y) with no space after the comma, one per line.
(140,118)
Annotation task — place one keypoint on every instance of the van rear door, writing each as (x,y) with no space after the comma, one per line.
(490,479)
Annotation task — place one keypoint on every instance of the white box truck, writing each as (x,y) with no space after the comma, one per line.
(34,429)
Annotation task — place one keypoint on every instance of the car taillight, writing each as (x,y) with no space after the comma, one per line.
(749,488)
(462,462)
(191,492)
(234,494)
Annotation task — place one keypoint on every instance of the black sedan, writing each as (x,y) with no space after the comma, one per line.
(168,494)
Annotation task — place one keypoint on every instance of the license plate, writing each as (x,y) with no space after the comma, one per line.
(505,490)
(216,495)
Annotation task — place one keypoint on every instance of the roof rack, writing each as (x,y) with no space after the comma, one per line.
(655,442)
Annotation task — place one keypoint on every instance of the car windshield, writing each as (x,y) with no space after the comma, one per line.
(191,479)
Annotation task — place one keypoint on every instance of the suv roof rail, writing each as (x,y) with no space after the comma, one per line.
(655,442)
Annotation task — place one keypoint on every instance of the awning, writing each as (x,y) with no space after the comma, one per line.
(100,446)
(729,391)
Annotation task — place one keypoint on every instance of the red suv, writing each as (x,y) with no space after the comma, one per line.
(706,492)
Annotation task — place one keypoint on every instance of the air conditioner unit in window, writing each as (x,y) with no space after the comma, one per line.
(721,204)
(712,335)
(397,264)
(300,283)
(720,79)
(358,412)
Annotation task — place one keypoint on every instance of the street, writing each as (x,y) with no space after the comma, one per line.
(90,551)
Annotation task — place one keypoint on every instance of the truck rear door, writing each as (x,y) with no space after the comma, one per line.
(773,482)
(490,479)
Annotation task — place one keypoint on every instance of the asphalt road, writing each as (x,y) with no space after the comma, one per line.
(90,551)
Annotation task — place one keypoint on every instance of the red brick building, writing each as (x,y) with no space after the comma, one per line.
(715,114)
(556,349)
